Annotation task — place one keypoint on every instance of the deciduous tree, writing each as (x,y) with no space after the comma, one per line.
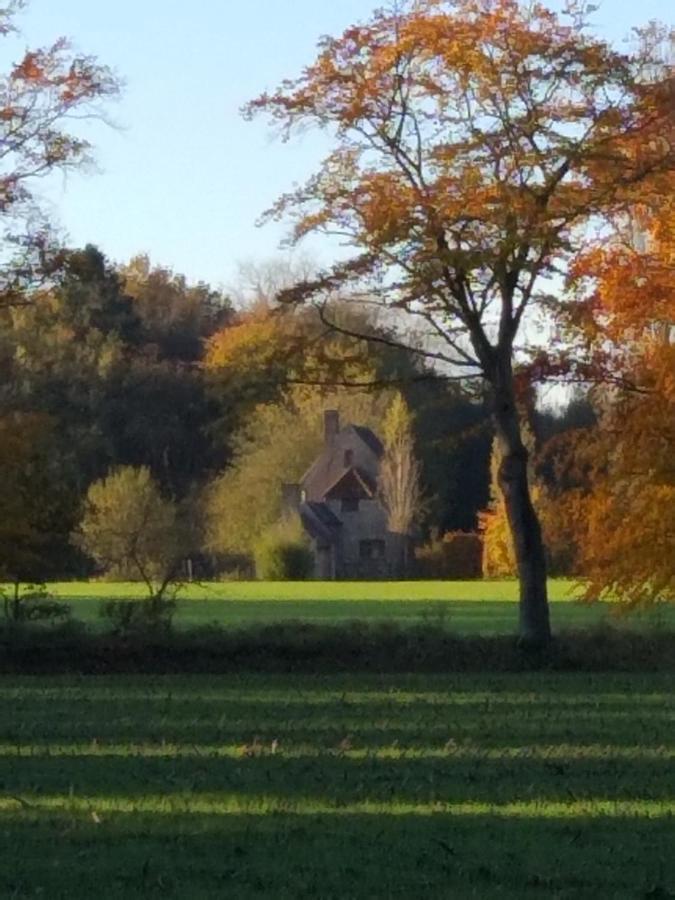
(36,508)
(475,143)
(131,530)
(400,478)
(623,511)
(176,317)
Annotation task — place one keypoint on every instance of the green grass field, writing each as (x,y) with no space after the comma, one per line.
(468,607)
(515,786)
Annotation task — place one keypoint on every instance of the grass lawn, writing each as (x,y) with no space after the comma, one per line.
(470,607)
(517,786)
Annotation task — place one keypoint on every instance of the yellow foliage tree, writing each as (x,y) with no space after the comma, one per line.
(400,479)
(499,558)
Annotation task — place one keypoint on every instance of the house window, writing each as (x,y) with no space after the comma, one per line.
(372,549)
(349,458)
(350,504)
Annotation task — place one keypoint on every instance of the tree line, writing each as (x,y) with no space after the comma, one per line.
(129,371)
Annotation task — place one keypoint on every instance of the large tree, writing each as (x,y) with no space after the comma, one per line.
(37,509)
(475,143)
(87,355)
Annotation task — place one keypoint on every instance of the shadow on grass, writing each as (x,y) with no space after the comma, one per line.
(355,856)
(126,787)
(337,778)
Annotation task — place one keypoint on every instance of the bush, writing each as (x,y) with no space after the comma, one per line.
(129,617)
(34,604)
(457,554)
(283,553)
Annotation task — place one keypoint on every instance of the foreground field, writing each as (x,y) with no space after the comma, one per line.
(502,786)
(468,607)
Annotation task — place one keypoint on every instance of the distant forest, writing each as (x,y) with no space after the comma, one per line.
(131,365)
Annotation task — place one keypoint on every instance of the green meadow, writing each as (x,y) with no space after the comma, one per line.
(468,607)
(523,785)
(514,786)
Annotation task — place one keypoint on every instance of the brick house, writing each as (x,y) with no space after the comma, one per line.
(338,503)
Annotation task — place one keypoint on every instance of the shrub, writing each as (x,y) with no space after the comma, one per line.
(297,646)
(283,554)
(34,604)
(457,554)
(129,617)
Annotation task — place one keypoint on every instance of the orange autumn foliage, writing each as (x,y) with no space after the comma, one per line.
(624,518)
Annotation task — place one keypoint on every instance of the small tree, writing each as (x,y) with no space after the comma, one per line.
(131,530)
(400,478)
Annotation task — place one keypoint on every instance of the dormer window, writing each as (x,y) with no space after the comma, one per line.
(349,458)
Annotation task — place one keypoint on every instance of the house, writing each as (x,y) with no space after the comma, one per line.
(338,503)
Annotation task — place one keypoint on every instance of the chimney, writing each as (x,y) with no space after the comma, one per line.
(290,499)
(331,425)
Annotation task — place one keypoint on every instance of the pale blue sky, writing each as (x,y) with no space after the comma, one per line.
(184,178)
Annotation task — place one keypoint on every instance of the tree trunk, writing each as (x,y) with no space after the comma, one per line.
(534,624)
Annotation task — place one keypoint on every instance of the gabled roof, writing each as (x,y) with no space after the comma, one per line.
(353,482)
(319,522)
(323,512)
(329,467)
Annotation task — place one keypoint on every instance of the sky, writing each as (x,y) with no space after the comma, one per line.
(180,175)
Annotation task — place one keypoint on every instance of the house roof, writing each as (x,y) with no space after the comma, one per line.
(353,482)
(319,521)
(370,438)
(329,467)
